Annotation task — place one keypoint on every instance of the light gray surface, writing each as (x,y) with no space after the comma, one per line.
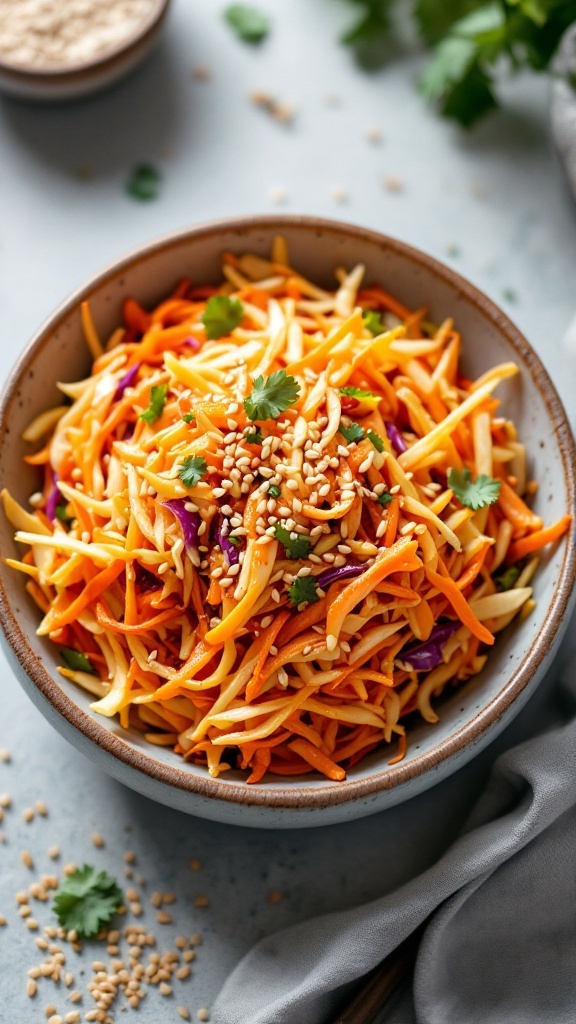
(498,195)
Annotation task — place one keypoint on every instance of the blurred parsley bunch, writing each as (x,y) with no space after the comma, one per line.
(469,38)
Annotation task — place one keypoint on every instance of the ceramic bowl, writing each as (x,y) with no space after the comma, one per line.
(472,715)
(73,81)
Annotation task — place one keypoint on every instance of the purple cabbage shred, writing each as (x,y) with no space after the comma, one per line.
(228,549)
(192,343)
(189,521)
(344,572)
(126,381)
(428,655)
(54,499)
(395,437)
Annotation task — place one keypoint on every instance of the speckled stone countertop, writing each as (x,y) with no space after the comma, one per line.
(361,147)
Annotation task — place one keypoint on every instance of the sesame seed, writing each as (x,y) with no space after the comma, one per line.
(188,955)
(53,852)
(196,939)
(407,528)
(75,996)
(31,988)
(292,485)
(203,1014)
(50,1010)
(331,642)
(202,901)
(28,814)
(275,595)
(163,917)
(72,1018)
(184,1013)
(395,489)
(26,858)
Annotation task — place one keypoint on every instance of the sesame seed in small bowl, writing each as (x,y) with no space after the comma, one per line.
(57,52)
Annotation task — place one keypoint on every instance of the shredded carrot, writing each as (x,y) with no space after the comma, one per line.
(539,539)
(242,586)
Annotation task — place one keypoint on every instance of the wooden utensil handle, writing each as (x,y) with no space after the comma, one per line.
(381,984)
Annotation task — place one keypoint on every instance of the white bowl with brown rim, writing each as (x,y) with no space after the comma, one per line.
(472,714)
(53,82)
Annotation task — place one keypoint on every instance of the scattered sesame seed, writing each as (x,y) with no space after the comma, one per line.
(195,864)
(53,852)
(97,840)
(201,901)
(31,988)
(331,642)
(373,135)
(203,1014)
(26,858)
(184,1013)
(5,755)
(5,800)
(75,996)
(50,1010)
(73,1017)
(392,183)
(32,924)
(163,917)
(28,814)
(196,939)
(339,194)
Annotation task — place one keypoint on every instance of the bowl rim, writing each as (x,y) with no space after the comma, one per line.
(388,777)
(69,73)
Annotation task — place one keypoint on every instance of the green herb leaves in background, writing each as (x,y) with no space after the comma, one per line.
(158,395)
(271,395)
(470,39)
(507,579)
(474,494)
(192,470)
(250,24)
(221,316)
(144,182)
(75,660)
(373,322)
(86,901)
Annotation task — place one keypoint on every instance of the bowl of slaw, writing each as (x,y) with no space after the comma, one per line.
(323,627)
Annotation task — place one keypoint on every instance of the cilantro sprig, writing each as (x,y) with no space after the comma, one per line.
(158,395)
(75,660)
(295,546)
(221,316)
(352,433)
(249,24)
(385,499)
(271,395)
(144,182)
(507,579)
(474,494)
(472,41)
(87,900)
(274,491)
(192,470)
(351,392)
(255,437)
(304,590)
(373,321)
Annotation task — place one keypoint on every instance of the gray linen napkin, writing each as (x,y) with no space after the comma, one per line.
(500,947)
(563,111)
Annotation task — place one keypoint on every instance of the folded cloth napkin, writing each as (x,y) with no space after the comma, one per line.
(500,945)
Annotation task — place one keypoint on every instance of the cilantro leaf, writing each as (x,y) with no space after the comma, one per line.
(61,511)
(144,182)
(373,321)
(352,433)
(385,498)
(295,546)
(476,493)
(75,660)
(249,24)
(235,541)
(189,417)
(192,470)
(304,590)
(271,396)
(507,579)
(353,392)
(158,395)
(221,316)
(274,491)
(376,440)
(254,438)
(369,35)
(87,900)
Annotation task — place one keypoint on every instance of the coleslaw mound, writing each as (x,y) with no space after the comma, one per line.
(276,521)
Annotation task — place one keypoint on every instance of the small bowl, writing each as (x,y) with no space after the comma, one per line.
(73,81)
(472,714)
